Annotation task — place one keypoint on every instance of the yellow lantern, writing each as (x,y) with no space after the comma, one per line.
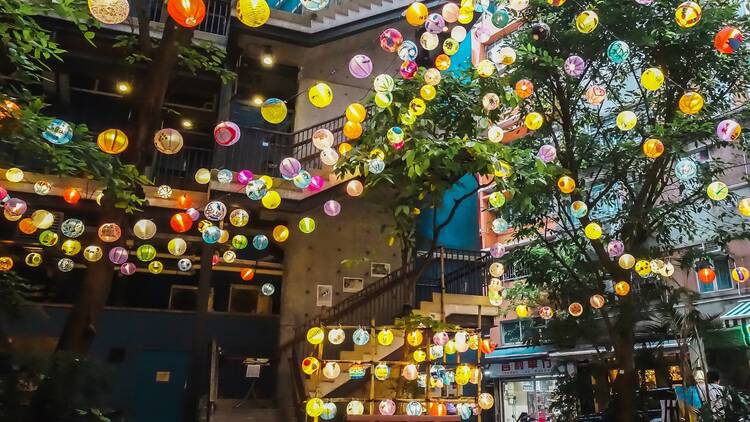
(71,247)
(385,337)
(688,14)
(417,106)
(744,207)
(356,112)
(310,365)
(593,231)
(273,110)
(177,246)
(271,200)
(522,311)
(314,406)
(344,148)
(320,95)
(306,225)
(486,401)
(112,141)
(110,12)
(155,267)
(566,184)
(740,274)
(168,141)
(33,259)
(6,263)
(42,219)
(575,309)
(534,120)
(92,253)
(691,103)
(428,92)
(643,268)
(450,347)
(626,261)
(717,191)
(485,68)
(416,14)
(382,371)
(419,355)
(652,79)
(223,236)
(597,301)
(203,176)
(626,120)
(280,233)
(315,335)
(415,338)
(253,13)
(14,174)
(587,21)
(622,288)
(653,148)
(465,15)
(463,373)
(352,130)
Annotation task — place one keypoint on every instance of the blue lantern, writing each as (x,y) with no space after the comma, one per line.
(686,169)
(618,51)
(224,176)
(302,180)
(499,225)
(212,234)
(256,189)
(260,242)
(376,166)
(407,50)
(360,337)
(58,132)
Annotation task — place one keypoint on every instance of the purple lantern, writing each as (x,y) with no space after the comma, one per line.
(332,208)
(289,168)
(435,24)
(118,255)
(574,66)
(497,250)
(127,268)
(316,184)
(728,130)
(547,153)
(390,39)
(226,133)
(615,248)
(193,213)
(244,177)
(409,69)
(15,207)
(360,66)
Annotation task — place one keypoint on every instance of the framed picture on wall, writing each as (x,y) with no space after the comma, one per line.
(379,269)
(324,295)
(353,284)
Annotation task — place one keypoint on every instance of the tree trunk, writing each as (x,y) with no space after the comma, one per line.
(626,383)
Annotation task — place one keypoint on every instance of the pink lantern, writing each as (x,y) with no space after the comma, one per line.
(615,248)
(408,69)
(575,66)
(244,177)
(547,153)
(387,407)
(15,207)
(360,66)
(127,268)
(332,208)
(440,338)
(4,197)
(390,40)
(316,184)
(497,250)
(118,255)
(226,134)
(193,213)
(728,130)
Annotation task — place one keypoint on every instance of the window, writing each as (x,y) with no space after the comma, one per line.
(515,332)
(723,280)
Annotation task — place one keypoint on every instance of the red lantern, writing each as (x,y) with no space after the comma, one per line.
(247,274)
(437,409)
(214,259)
(71,196)
(184,201)
(706,275)
(486,346)
(181,222)
(188,13)
(728,40)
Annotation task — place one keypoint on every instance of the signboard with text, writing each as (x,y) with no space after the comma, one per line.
(523,368)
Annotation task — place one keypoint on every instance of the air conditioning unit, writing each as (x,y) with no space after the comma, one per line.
(185,298)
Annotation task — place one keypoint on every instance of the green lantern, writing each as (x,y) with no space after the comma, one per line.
(146,253)
(239,241)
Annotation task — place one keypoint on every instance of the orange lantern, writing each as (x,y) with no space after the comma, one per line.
(247,274)
(184,201)
(9,109)
(486,346)
(653,148)
(442,62)
(706,275)
(71,196)
(181,222)
(524,88)
(437,409)
(622,288)
(566,184)
(187,13)
(112,141)
(26,226)
(344,148)
(352,130)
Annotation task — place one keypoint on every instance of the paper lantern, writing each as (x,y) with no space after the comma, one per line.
(43,219)
(728,130)
(58,132)
(435,24)
(71,247)
(728,40)
(336,336)
(110,12)
(144,229)
(354,188)
(184,264)
(652,79)
(382,371)
(239,241)
(14,174)
(450,46)
(65,265)
(224,176)
(522,311)
(177,246)
(485,68)
(595,95)
(566,184)
(740,274)
(717,191)
(118,255)
(587,21)
(744,207)
(622,288)
(485,401)
(211,234)
(256,189)
(315,335)
(407,51)
(244,177)
(352,130)
(465,14)
(357,371)
(329,412)
(355,112)
(227,133)
(534,121)
(497,250)
(442,62)
(416,14)
(360,337)
(691,103)
(390,39)
(653,148)
(706,275)
(181,222)
(187,13)
(449,12)
(6,263)
(109,232)
(437,409)
(155,267)
(575,309)
(626,120)
(331,370)
(33,259)
(615,248)
(440,338)
(41,187)
(215,211)
(14,207)
(385,337)
(168,141)
(247,274)
(48,238)
(164,191)
(688,14)
(260,242)
(310,365)
(524,88)
(320,95)
(626,261)
(273,110)
(387,407)
(643,268)
(686,169)
(145,253)
(27,226)
(414,408)
(112,141)
(597,301)
(618,51)
(253,13)
(355,407)
(203,176)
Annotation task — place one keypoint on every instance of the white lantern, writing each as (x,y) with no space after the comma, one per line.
(110,12)
(144,229)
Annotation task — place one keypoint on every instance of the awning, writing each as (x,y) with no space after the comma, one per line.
(519,352)
(588,350)
(726,338)
(740,311)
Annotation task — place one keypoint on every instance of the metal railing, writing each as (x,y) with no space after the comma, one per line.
(218,15)
(465,273)
(178,170)
(514,271)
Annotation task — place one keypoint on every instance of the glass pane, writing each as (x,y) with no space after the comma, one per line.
(705,287)
(723,279)
(518,399)
(511,332)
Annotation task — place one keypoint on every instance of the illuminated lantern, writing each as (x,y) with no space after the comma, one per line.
(239,217)
(271,200)
(575,309)
(320,95)
(450,12)
(440,338)
(618,51)
(429,41)
(385,337)
(215,211)
(203,176)
(184,201)
(336,336)
(486,346)
(416,14)
(58,132)
(360,337)
(6,263)
(414,408)
(417,106)
(273,110)
(546,312)
(383,83)
(524,88)
(71,247)
(442,62)
(566,184)
(310,365)
(155,267)
(14,174)
(547,153)
(315,335)
(688,14)
(458,33)
(360,66)
(355,407)
(409,372)
(706,275)
(383,99)
(345,147)
(495,134)
(118,255)
(497,250)
(717,191)
(355,112)
(728,40)
(110,12)
(144,229)
(168,141)
(229,256)
(247,274)
(595,94)
(485,68)
(253,13)
(387,407)
(184,264)
(435,24)
(597,301)
(244,177)
(227,134)
(622,288)
(740,274)
(260,242)
(177,246)
(574,66)
(164,191)
(146,253)
(65,265)
(626,120)
(437,409)
(744,206)
(419,355)
(317,183)
(15,207)
(450,47)
(407,51)
(329,156)
(465,15)
(239,241)
(109,232)
(280,233)
(112,141)
(587,21)
(652,79)
(578,209)
(357,371)
(485,401)
(626,261)
(728,130)
(26,226)
(48,238)
(181,222)
(534,121)
(522,311)
(187,13)
(615,248)
(211,234)
(643,268)
(352,130)
(668,270)
(382,371)
(41,187)
(43,219)
(653,148)
(331,370)
(224,176)
(315,406)
(323,138)
(428,92)
(691,103)
(256,189)
(354,188)
(33,259)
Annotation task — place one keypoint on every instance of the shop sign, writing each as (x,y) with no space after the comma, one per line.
(526,367)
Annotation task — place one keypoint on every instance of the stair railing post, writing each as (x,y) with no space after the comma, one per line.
(479,359)
(374,353)
(442,284)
